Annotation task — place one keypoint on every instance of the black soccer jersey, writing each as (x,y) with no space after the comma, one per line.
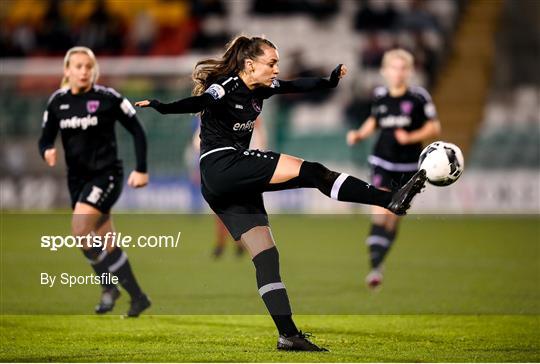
(410,112)
(230,121)
(229,108)
(86,122)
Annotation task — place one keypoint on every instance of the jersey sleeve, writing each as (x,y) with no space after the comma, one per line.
(378,94)
(222,87)
(194,104)
(373,112)
(126,115)
(427,110)
(373,107)
(49,129)
(299,85)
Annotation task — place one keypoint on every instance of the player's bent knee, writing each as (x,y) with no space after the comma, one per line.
(288,167)
(317,175)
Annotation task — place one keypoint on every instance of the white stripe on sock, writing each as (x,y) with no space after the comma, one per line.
(377,240)
(271,287)
(120,262)
(337,185)
(391,166)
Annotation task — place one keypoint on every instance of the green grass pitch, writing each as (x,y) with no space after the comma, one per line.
(456,289)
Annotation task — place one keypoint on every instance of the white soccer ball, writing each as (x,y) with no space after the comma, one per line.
(443,163)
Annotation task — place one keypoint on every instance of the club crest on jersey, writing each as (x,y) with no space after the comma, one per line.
(406,107)
(256,105)
(92,106)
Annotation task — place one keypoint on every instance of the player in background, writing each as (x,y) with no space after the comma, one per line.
(405,116)
(229,92)
(85,114)
(259,141)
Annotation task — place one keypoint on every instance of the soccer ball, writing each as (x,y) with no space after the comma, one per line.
(443,163)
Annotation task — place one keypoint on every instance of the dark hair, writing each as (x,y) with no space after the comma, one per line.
(237,51)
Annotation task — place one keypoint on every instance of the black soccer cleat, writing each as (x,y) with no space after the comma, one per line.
(107,301)
(401,201)
(138,305)
(298,342)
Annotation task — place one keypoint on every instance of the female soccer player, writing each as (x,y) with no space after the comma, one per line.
(258,141)
(85,114)
(229,93)
(406,116)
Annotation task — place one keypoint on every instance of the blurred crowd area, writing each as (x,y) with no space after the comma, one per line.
(148,49)
(311,35)
(175,27)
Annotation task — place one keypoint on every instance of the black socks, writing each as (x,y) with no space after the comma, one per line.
(96,256)
(117,263)
(341,186)
(379,243)
(273,291)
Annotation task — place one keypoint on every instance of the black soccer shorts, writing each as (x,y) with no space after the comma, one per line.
(101,191)
(232,182)
(391,180)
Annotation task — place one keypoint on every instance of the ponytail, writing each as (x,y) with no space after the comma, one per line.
(237,51)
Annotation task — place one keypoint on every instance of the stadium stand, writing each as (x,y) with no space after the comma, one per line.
(341,28)
(508,137)
(152,53)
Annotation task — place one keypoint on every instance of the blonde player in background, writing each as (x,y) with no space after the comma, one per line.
(406,117)
(85,114)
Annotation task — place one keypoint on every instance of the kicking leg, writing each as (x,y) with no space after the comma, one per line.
(342,187)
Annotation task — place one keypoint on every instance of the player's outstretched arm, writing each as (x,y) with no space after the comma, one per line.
(193,104)
(309,83)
